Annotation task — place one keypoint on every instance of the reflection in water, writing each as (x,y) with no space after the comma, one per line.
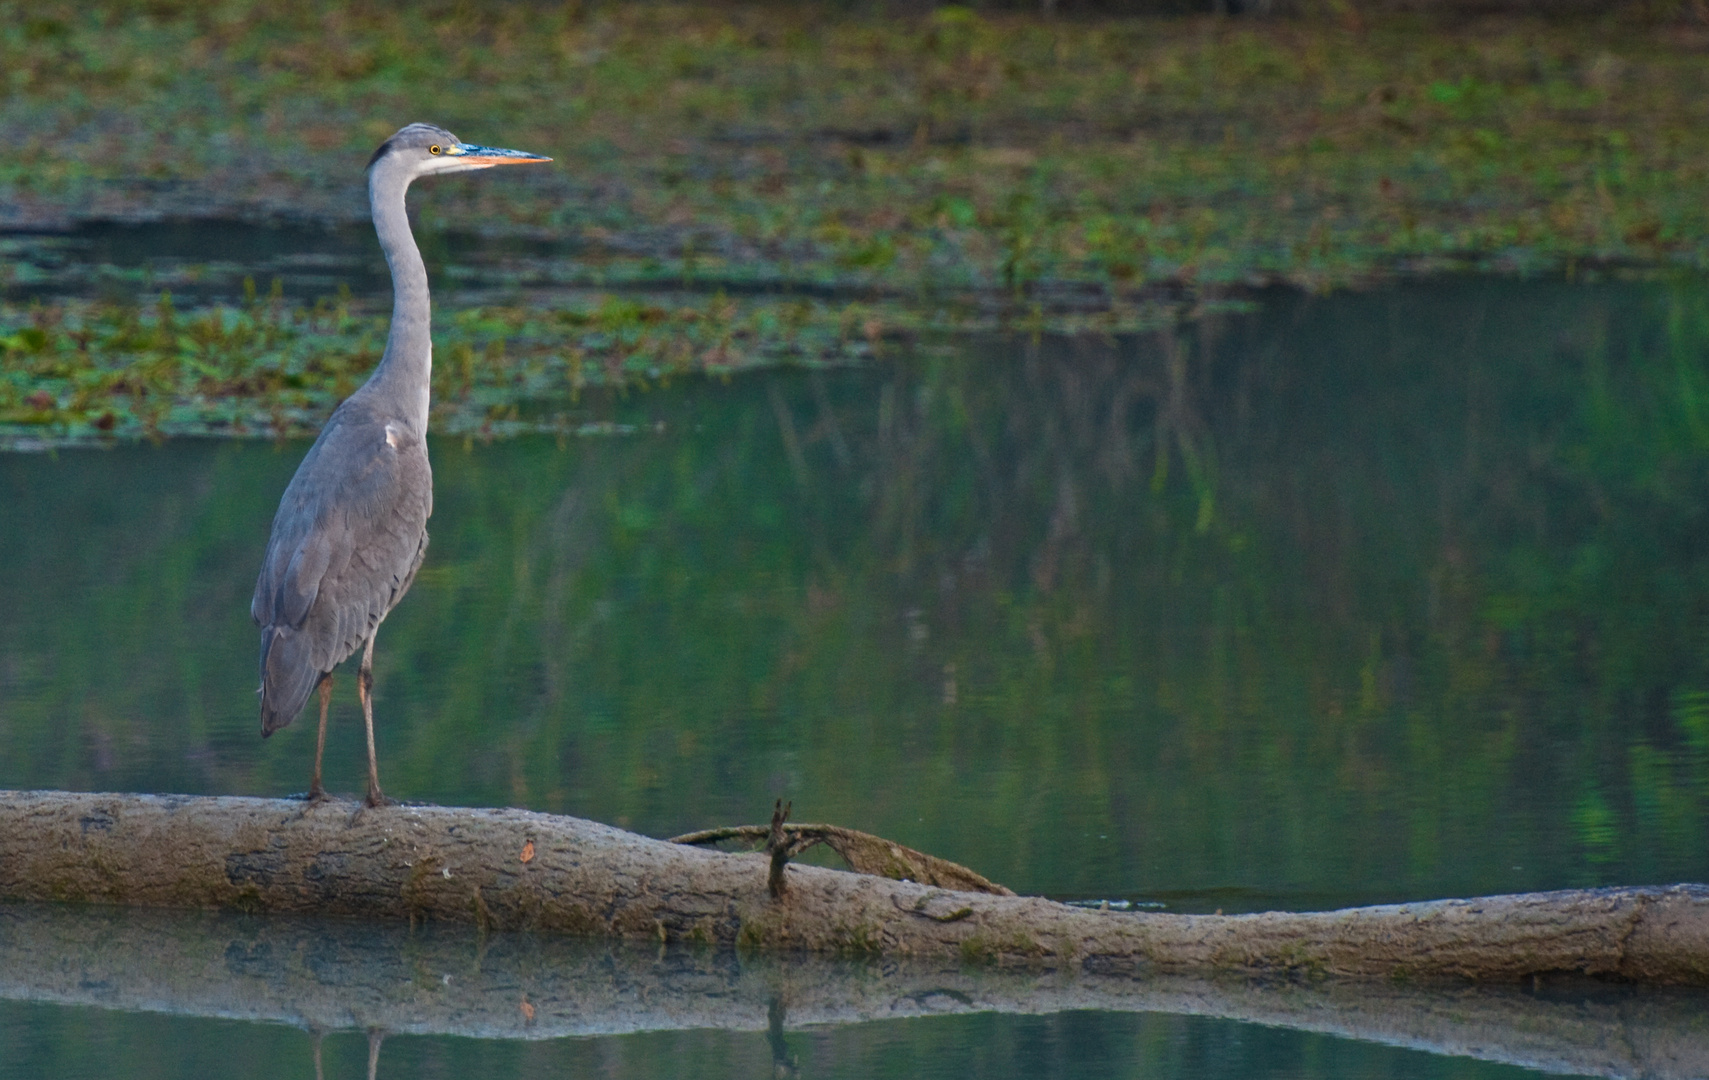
(784,1063)
(1350,600)
(375,1040)
(440,986)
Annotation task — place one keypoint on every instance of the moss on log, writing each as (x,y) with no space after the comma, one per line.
(580,877)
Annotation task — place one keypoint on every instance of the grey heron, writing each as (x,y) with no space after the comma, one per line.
(352,526)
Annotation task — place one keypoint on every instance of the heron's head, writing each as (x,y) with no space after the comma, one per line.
(424,150)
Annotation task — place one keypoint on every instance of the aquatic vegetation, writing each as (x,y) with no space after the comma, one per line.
(83,370)
(843,175)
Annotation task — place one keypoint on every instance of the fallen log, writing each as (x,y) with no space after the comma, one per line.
(518,870)
(326,976)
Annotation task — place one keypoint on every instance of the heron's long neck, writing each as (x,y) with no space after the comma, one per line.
(406,369)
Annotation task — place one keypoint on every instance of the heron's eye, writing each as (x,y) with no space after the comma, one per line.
(433,150)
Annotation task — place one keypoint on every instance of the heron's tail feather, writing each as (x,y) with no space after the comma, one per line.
(288,676)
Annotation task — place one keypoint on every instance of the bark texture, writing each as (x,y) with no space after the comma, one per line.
(580,877)
(327,976)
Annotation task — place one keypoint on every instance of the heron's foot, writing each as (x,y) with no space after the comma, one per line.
(313,796)
(377,798)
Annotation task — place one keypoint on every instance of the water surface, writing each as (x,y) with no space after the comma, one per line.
(438,999)
(1367,598)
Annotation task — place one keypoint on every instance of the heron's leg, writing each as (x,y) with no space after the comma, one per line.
(316,792)
(375,1038)
(319,1073)
(365,687)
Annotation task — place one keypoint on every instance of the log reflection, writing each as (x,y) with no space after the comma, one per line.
(331,977)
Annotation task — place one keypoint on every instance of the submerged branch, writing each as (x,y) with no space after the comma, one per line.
(517,870)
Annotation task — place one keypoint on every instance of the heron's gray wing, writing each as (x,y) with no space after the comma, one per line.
(349,535)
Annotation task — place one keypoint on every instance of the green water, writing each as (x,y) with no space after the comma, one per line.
(1355,599)
(66,1042)
(94,992)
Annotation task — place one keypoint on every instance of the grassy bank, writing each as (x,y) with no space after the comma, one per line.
(1053,171)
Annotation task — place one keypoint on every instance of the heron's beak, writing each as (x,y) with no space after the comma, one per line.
(482,156)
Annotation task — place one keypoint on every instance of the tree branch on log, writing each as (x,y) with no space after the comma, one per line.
(863,852)
(328,975)
(466,865)
(779,848)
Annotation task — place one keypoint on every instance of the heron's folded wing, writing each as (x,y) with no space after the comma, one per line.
(347,537)
(378,528)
